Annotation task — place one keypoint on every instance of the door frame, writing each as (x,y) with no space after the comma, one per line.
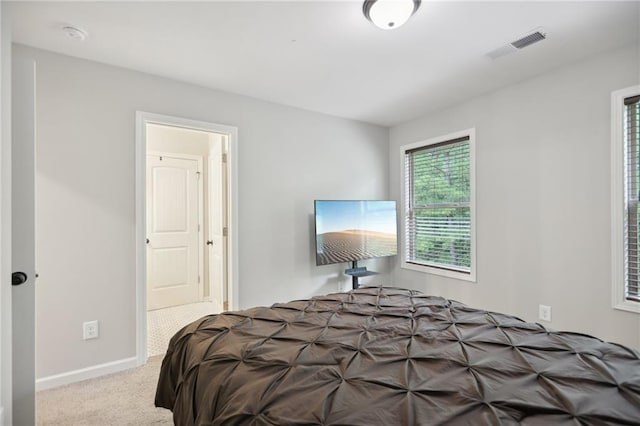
(200,161)
(142,118)
(6,364)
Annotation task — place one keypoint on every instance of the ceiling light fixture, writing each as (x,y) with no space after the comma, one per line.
(389,14)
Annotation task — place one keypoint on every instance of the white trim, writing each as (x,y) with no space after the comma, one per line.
(85,373)
(464,276)
(618,251)
(141,231)
(232,214)
(6,385)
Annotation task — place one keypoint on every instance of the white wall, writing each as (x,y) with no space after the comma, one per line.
(177,140)
(85,202)
(543,197)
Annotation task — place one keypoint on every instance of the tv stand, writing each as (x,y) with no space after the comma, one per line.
(357,272)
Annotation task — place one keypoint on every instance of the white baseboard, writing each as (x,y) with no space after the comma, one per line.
(85,373)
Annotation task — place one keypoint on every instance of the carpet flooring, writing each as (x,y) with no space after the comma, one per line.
(124,398)
(162,324)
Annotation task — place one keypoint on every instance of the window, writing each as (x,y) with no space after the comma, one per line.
(438,200)
(625,165)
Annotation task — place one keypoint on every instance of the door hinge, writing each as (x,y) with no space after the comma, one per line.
(198,279)
(198,227)
(224,157)
(198,174)
(225,232)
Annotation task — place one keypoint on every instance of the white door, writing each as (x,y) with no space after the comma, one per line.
(217,215)
(23,240)
(173,266)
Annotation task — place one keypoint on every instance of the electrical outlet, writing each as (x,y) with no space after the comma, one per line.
(544,312)
(90,330)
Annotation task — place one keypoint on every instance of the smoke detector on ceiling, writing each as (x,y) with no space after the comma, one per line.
(526,40)
(74,33)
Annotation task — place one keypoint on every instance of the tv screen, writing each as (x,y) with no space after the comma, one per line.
(351,230)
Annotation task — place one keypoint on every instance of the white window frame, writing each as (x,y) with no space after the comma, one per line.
(618,198)
(465,276)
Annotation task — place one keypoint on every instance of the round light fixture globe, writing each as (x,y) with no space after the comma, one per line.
(389,14)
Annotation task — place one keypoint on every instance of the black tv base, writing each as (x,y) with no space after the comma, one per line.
(357,272)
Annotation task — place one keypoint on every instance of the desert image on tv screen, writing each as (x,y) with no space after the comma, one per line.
(353,230)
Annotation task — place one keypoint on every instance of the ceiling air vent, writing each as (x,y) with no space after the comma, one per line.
(528,40)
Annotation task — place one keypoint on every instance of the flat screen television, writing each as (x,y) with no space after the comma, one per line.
(352,230)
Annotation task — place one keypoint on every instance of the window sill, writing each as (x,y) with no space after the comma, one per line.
(463,276)
(628,306)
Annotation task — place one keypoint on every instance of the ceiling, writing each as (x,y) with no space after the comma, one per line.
(325,56)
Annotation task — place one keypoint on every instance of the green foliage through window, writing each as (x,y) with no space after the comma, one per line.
(438,209)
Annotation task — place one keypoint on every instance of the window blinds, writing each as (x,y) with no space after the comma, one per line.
(437,198)
(632,142)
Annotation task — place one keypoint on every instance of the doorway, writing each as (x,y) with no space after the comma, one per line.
(186,266)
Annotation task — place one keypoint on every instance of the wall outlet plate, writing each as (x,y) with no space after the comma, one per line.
(544,312)
(90,330)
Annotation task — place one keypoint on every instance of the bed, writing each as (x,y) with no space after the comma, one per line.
(390,356)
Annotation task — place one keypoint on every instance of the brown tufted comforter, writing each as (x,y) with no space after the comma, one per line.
(388,356)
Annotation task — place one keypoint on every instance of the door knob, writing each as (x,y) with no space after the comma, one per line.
(209,243)
(18,278)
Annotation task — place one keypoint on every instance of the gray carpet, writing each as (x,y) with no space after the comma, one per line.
(124,398)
